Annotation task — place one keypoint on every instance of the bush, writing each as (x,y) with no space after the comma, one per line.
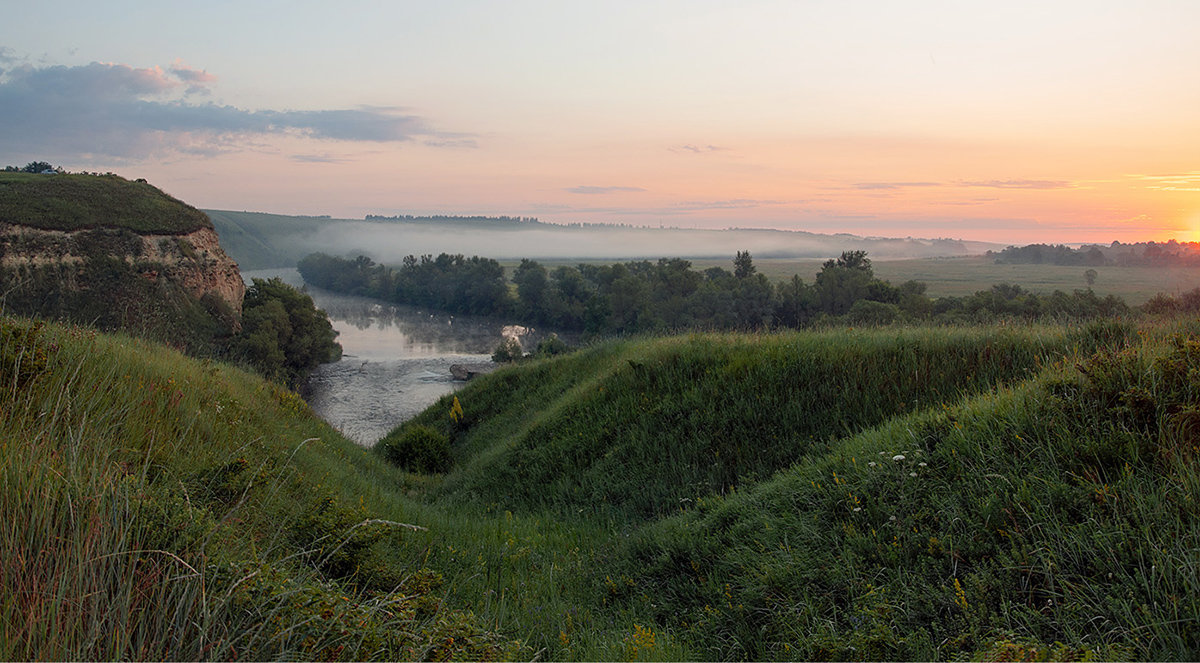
(418,449)
(509,350)
(866,312)
(550,346)
(23,354)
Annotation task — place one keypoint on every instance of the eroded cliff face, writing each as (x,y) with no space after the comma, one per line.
(194,261)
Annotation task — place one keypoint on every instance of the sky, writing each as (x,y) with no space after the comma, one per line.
(1011,122)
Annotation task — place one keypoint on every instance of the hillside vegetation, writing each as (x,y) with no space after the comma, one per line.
(156,507)
(1056,519)
(636,430)
(83,202)
(1001,492)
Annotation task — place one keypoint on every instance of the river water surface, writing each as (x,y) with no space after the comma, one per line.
(395,359)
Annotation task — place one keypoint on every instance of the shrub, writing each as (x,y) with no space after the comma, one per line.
(509,350)
(550,346)
(418,449)
(867,312)
(23,354)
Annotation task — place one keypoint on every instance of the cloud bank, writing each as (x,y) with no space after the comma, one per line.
(116,110)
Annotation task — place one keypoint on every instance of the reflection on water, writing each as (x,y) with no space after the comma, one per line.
(395,359)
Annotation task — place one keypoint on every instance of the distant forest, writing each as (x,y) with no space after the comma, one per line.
(495,221)
(1141,254)
(668,295)
(489,221)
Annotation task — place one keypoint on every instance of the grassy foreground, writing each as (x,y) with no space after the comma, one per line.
(157,507)
(925,494)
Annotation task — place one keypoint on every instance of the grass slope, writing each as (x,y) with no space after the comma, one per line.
(635,430)
(81,202)
(1063,510)
(263,241)
(157,507)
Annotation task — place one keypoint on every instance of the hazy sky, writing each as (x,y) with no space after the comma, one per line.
(1003,121)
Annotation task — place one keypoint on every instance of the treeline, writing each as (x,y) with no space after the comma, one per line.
(448,283)
(490,221)
(1140,254)
(668,295)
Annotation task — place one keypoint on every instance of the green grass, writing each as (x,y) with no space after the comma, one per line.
(262,241)
(638,430)
(81,202)
(157,507)
(154,506)
(1061,511)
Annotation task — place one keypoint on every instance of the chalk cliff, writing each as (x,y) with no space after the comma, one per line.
(119,254)
(193,260)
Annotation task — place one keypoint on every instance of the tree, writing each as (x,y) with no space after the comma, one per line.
(743,265)
(842,282)
(854,260)
(1090,275)
(40,167)
(533,290)
(284,335)
(794,303)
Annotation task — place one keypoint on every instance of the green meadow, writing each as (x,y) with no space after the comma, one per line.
(1012,492)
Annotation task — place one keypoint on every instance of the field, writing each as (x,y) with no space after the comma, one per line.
(956,277)
(1009,491)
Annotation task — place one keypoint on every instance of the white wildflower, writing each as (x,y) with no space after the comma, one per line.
(898,457)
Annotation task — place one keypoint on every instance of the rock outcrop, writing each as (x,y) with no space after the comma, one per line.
(465,372)
(193,260)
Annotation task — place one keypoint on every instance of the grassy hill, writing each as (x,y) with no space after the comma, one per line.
(1057,519)
(157,507)
(83,202)
(635,430)
(262,241)
(877,496)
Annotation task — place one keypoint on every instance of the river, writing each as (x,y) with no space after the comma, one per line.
(395,359)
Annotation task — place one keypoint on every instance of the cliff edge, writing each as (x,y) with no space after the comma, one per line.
(116,253)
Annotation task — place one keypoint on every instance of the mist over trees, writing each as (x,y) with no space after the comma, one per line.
(668,295)
(1140,254)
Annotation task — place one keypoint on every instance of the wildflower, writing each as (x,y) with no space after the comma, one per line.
(898,457)
(912,474)
(871,464)
(960,595)
(923,464)
(858,508)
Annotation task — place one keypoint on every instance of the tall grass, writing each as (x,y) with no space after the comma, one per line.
(156,507)
(638,430)
(1055,518)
